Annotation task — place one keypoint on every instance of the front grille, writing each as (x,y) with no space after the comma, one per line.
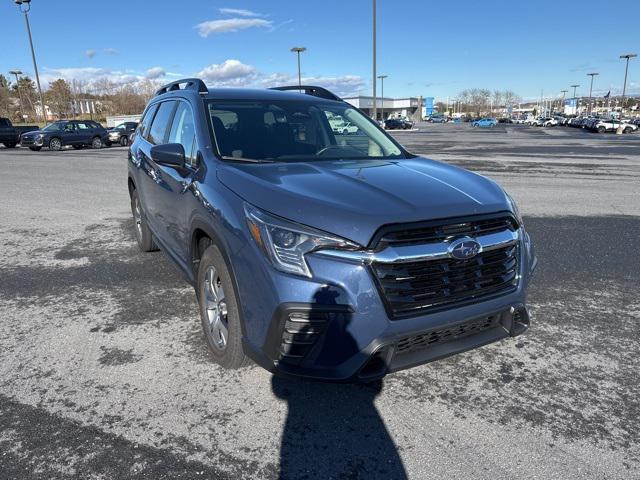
(426,285)
(26,141)
(449,334)
(439,231)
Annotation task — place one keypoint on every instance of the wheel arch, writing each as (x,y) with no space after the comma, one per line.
(200,233)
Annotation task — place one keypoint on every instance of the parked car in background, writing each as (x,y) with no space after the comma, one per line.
(485,123)
(397,124)
(549,122)
(438,119)
(76,133)
(10,134)
(612,125)
(122,133)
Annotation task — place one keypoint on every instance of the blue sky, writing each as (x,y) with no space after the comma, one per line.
(427,48)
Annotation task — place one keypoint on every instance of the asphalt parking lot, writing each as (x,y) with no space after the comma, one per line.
(104,373)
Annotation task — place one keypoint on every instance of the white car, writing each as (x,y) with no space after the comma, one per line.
(347,129)
(549,122)
(611,125)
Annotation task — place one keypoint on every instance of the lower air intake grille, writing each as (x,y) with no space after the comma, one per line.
(449,334)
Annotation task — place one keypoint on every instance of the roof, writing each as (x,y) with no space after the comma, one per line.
(260,94)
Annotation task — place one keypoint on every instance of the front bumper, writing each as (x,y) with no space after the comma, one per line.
(347,334)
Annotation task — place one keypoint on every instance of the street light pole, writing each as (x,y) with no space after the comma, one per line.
(25,10)
(299,50)
(575,99)
(564,92)
(375,106)
(16,73)
(626,70)
(591,89)
(382,77)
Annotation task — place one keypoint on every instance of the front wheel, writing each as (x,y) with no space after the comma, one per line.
(628,130)
(55,144)
(601,129)
(144,237)
(96,143)
(124,141)
(219,311)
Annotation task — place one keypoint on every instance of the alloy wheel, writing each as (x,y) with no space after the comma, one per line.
(216,308)
(55,144)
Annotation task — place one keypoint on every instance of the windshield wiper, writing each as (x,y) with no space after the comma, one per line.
(248,160)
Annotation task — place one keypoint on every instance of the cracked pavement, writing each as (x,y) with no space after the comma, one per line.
(104,372)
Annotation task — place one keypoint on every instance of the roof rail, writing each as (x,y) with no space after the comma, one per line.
(190,84)
(310,90)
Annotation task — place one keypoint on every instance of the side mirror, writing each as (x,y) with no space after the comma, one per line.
(169,154)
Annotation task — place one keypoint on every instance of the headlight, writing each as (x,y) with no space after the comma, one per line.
(515,209)
(285,243)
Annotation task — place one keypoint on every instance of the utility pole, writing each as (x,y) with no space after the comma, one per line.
(298,51)
(591,89)
(626,70)
(16,73)
(382,77)
(375,106)
(574,97)
(25,10)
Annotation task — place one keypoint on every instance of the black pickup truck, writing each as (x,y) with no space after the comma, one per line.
(10,135)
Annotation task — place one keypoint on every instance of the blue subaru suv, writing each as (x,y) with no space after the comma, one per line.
(318,254)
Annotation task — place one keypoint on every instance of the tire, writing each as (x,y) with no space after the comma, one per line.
(345,132)
(219,313)
(628,130)
(78,147)
(602,129)
(96,143)
(35,149)
(144,237)
(55,144)
(124,141)
(10,145)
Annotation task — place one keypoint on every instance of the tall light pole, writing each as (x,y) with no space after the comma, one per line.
(575,99)
(375,106)
(382,77)
(24,6)
(298,51)
(628,56)
(591,89)
(16,73)
(563,92)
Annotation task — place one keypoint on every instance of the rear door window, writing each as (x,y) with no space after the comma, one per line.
(143,128)
(161,121)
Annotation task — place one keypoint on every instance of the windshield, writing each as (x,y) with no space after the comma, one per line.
(54,127)
(294,130)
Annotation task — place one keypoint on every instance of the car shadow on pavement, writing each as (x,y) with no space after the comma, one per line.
(334,430)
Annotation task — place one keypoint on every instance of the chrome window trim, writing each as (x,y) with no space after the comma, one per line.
(413,253)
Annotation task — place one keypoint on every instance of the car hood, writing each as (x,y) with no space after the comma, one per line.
(33,133)
(355,198)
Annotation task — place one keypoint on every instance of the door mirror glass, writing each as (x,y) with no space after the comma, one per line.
(169,154)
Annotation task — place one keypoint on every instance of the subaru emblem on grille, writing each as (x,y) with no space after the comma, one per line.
(464,248)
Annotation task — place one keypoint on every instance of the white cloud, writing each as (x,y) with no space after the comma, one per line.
(230,73)
(90,53)
(241,12)
(110,51)
(89,75)
(344,85)
(231,25)
(155,73)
